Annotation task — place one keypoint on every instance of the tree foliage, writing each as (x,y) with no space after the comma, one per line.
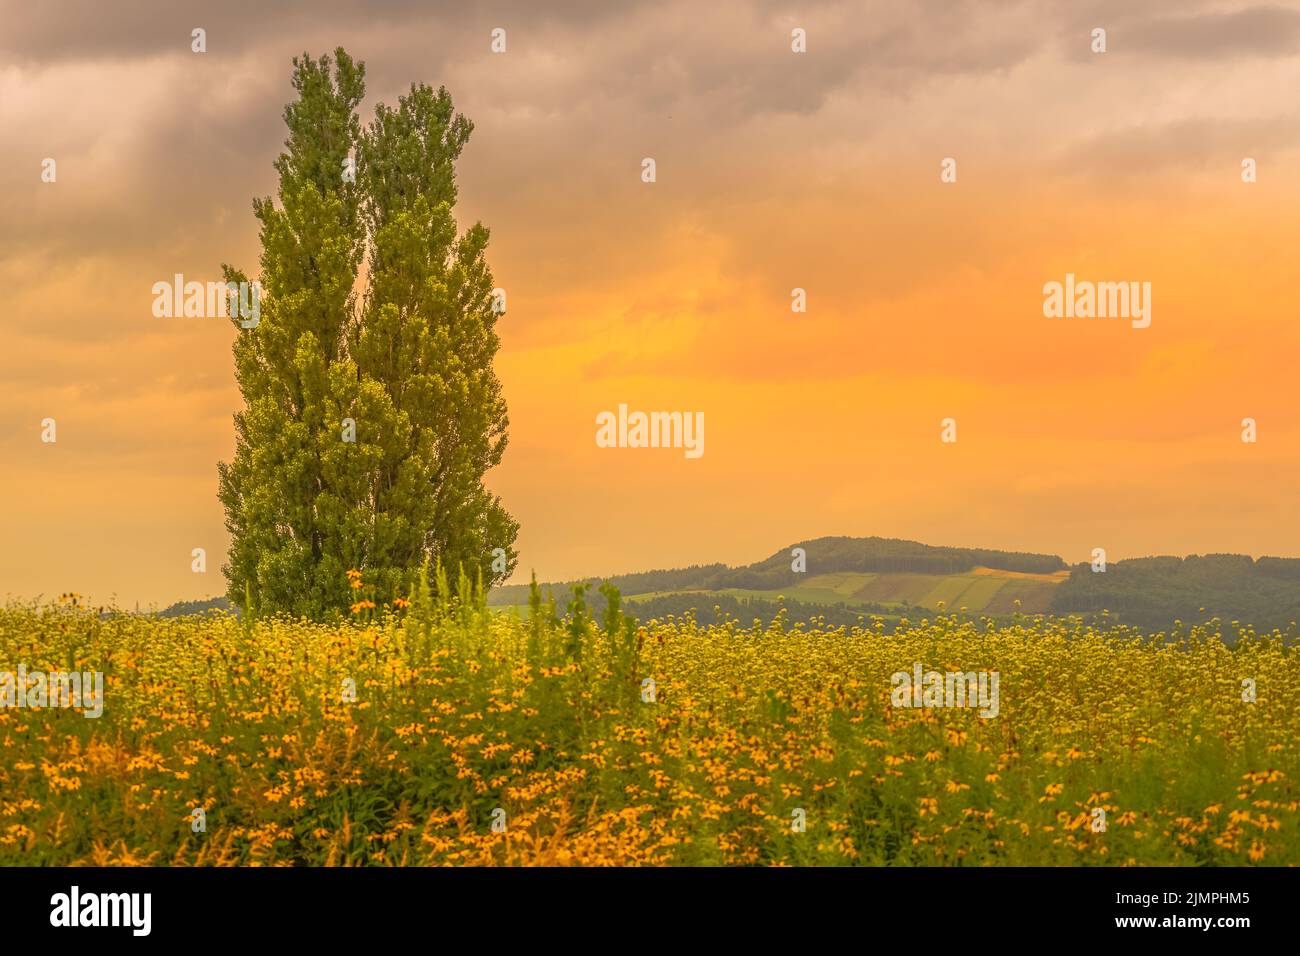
(404,364)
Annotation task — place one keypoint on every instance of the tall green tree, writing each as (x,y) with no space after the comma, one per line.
(371,417)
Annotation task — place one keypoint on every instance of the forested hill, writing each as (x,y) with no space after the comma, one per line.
(1154,592)
(849,577)
(882,556)
(1151,593)
(822,556)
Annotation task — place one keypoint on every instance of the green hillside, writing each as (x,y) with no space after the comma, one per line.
(1154,592)
(848,579)
(843,565)
(983,591)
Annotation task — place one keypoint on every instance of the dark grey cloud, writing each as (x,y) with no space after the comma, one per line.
(738,51)
(1254,32)
(195,135)
(1192,30)
(47,32)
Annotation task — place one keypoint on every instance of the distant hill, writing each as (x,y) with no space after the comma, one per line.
(846,581)
(1154,592)
(851,579)
(824,556)
(198,607)
(887,555)
(848,578)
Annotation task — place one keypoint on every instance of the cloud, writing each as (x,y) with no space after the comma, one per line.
(776,170)
(1252,32)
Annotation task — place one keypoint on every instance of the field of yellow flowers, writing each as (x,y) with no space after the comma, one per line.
(446,733)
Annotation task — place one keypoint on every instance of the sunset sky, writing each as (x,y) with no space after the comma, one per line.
(775,170)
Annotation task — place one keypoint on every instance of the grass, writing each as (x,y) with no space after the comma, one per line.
(461,712)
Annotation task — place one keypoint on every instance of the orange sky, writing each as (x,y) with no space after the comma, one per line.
(775,170)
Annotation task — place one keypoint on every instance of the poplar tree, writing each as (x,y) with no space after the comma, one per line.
(371,416)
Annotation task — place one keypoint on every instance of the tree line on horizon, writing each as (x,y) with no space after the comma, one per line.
(1154,592)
